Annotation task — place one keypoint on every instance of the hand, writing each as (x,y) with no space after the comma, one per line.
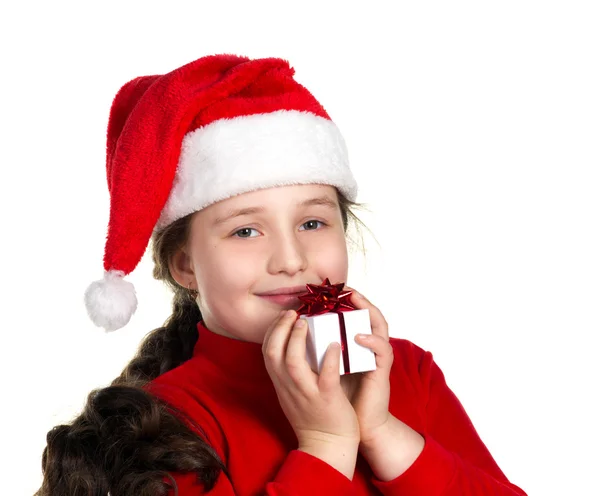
(369,392)
(315,404)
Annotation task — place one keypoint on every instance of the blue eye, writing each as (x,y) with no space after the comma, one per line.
(311,225)
(244,232)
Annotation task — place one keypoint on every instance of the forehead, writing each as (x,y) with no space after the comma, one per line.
(274,198)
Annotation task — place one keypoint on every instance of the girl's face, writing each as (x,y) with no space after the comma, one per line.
(246,252)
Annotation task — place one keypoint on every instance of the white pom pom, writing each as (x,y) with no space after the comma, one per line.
(111,302)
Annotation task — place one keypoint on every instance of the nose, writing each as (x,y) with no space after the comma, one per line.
(288,255)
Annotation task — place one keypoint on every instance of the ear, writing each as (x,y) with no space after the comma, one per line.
(181,269)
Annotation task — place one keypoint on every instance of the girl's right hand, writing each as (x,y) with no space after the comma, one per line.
(315,404)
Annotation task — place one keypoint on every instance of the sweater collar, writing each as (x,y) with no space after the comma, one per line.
(233,356)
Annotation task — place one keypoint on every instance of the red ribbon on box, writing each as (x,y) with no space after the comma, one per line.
(329,298)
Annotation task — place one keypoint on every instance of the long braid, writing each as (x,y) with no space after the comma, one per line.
(166,347)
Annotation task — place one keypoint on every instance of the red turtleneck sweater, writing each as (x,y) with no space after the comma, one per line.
(226,389)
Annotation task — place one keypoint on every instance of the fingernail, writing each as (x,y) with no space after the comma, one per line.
(290,313)
(363,337)
(299,323)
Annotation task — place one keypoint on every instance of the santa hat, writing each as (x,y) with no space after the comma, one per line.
(215,128)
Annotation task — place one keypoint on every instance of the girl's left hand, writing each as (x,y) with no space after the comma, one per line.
(369,392)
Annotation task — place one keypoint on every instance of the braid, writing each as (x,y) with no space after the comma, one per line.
(166,347)
(126,441)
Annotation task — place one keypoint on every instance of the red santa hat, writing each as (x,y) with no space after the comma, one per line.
(215,128)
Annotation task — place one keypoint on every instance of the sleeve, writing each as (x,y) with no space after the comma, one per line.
(454,461)
(300,475)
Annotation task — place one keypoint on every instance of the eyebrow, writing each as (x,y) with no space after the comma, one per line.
(321,200)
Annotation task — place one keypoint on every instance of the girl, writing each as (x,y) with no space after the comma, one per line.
(241,180)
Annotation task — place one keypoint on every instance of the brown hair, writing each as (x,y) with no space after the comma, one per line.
(126,441)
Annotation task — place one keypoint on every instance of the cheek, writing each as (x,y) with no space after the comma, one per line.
(331,260)
(225,279)
(225,275)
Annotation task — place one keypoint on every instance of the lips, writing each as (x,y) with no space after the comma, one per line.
(288,301)
(285,297)
(288,291)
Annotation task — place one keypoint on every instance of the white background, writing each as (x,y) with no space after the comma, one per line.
(473,130)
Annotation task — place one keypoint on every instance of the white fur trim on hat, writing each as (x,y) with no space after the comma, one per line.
(237,155)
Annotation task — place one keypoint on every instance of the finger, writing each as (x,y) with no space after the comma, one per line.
(384,353)
(297,367)
(268,360)
(267,335)
(379,325)
(275,345)
(329,378)
(283,316)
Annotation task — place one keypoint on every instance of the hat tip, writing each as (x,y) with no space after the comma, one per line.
(110,302)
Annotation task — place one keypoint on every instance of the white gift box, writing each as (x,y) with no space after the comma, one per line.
(325,329)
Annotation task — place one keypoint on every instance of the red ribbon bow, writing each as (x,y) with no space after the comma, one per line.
(325,298)
(329,298)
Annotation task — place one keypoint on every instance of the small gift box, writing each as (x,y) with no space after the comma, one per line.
(331,317)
